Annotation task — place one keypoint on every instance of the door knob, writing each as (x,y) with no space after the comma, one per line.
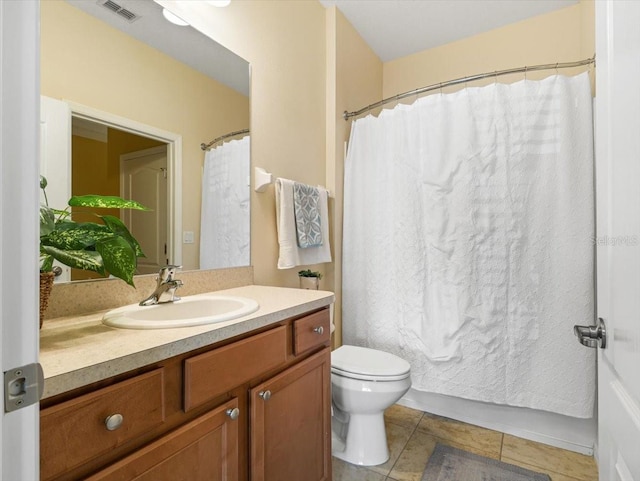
(266,395)
(592,336)
(233,413)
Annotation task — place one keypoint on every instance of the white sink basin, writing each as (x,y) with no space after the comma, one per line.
(188,311)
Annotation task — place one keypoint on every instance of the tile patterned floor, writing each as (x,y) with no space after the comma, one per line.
(412,436)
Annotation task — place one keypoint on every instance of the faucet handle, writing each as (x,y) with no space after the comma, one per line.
(166,273)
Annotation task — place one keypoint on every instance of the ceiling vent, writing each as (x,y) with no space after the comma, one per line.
(119,10)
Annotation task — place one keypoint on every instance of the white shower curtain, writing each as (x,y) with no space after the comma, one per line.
(225,213)
(468,242)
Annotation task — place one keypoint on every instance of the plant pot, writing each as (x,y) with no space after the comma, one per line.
(46,284)
(309,283)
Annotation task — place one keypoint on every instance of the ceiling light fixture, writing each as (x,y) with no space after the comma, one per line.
(219,3)
(173,18)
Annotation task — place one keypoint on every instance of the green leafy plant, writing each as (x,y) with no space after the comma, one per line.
(107,248)
(309,273)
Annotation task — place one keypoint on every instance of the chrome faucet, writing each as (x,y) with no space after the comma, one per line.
(166,287)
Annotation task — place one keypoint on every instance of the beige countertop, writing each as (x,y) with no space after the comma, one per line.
(79,350)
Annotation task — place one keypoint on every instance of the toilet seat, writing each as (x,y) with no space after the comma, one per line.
(368,364)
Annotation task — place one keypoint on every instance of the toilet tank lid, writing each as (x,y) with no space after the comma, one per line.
(362,360)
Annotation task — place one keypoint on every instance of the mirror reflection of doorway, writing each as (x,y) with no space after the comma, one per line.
(109,161)
(98,139)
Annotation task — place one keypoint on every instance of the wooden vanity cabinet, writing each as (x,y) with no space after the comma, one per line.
(290,423)
(205,449)
(204,415)
(75,431)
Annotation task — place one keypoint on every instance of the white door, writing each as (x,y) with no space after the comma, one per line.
(19,144)
(143,177)
(618,236)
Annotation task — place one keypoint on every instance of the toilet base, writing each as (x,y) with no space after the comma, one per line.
(366,441)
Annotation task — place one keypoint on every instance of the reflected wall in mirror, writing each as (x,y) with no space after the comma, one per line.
(119,87)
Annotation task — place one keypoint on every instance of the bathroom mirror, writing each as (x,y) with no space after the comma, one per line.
(135,85)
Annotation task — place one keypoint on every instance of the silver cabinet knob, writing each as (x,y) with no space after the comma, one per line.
(318,330)
(592,336)
(113,422)
(266,395)
(233,413)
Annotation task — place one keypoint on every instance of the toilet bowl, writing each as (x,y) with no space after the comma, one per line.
(364,383)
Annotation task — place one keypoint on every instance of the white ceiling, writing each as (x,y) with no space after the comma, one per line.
(183,43)
(396,28)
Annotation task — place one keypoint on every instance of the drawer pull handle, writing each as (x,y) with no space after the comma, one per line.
(233,413)
(113,422)
(266,395)
(318,330)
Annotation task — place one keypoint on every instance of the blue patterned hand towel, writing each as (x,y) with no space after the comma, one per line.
(307,212)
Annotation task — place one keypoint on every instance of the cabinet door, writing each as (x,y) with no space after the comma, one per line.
(206,449)
(291,423)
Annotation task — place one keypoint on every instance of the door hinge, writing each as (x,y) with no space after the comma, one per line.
(23,386)
(592,336)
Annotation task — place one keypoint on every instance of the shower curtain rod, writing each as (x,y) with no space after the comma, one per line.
(222,137)
(347,115)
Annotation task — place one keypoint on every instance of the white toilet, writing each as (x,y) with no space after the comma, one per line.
(364,383)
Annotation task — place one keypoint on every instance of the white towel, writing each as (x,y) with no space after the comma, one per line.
(290,254)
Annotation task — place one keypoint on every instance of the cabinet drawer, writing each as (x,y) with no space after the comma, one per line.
(75,431)
(311,331)
(213,373)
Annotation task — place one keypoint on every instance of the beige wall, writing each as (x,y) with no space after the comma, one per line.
(561,36)
(309,64)
(285,43)
(82,60)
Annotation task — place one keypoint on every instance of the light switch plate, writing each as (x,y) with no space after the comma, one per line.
(187,237)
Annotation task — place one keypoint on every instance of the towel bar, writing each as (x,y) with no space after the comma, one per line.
(262,179)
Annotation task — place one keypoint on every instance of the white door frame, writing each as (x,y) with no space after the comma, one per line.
(618,222)
(174,164)
(19,160)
